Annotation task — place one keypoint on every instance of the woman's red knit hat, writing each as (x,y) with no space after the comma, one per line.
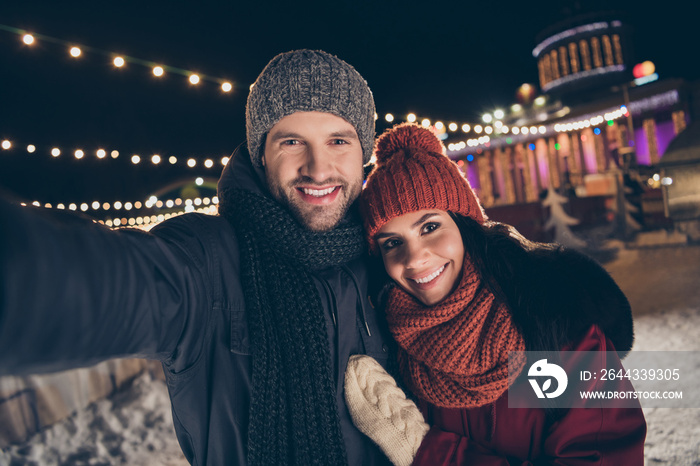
(413,173)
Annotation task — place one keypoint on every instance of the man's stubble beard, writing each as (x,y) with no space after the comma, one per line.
(316,218)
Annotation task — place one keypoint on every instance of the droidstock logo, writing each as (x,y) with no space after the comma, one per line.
(543,370)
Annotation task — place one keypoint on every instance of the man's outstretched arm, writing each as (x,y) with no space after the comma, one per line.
(73,292)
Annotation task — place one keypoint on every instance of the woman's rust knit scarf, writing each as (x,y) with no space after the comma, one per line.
(455,354)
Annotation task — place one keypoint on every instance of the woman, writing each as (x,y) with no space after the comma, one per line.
(465,294)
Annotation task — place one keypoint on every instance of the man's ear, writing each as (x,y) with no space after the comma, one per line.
(263,142)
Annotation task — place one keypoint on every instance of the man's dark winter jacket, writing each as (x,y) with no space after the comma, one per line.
(73,293)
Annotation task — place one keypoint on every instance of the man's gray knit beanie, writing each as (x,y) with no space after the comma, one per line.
(307,81)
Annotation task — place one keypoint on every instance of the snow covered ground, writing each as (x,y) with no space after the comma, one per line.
(663,286)
(134,426)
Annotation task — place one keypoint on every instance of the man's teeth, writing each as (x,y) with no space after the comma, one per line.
(430,277)
(318,192)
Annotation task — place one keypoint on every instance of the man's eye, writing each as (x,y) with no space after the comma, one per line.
(291,142)
(339,141)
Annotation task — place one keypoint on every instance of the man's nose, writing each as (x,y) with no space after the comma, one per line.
(318,165)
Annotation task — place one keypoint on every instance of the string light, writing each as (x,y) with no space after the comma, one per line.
(411,117)
(149,221)
(152,203)
(156,159)
(588,121)
(574,125)
(118,60)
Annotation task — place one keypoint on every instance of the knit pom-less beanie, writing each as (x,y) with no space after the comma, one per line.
(308,81)
(413,173)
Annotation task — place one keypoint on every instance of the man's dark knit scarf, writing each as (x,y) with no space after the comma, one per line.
(293,414)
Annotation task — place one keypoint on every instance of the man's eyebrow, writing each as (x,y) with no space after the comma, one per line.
(415,225)
(284,135)
(345,134)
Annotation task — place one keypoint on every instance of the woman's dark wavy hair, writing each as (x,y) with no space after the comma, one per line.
(498,250)
(508,262)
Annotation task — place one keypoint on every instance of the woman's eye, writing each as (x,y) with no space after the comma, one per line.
(430,227)
(390,244)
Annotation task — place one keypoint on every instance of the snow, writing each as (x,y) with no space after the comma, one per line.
(134,426)
(662,284)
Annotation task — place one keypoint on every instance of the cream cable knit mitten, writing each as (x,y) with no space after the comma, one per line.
(381,410)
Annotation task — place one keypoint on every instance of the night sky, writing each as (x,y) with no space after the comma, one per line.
(441,60)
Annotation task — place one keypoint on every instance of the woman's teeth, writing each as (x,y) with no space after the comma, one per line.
(430,277)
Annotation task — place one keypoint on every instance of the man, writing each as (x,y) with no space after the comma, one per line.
(255,312)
